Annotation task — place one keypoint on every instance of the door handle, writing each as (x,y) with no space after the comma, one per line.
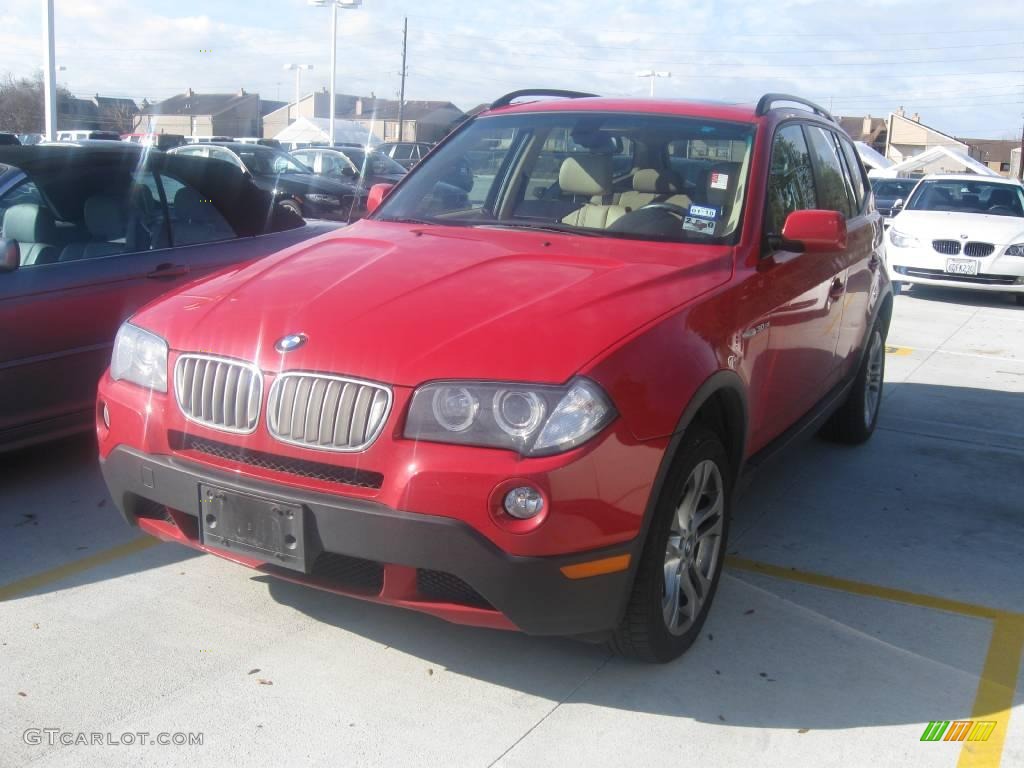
(836,290)
(165,271)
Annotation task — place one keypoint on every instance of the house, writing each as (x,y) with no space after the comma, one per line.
(995,153)
(908,136)
(203,114)
(422,120)
(938,159)
(869,130)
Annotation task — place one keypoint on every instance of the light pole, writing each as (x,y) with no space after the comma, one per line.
(653,75)
(335,5)
(298,81)
(49,74)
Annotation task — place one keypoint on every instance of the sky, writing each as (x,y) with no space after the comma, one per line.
(963,72)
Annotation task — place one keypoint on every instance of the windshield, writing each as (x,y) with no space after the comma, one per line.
(264,161)
(958,196)
(894,188)
(607,174)
(373,162)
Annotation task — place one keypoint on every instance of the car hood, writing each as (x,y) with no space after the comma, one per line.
(404,304)
(946,225)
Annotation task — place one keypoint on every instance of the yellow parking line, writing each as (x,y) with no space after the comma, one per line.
(901,351)
(22,586)
(994,698)
(998,681)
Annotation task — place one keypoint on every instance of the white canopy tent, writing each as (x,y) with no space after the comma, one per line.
(872,159)
(936,160)
(316,130)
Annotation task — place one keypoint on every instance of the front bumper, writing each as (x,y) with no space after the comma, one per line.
(434,564)
(923,265)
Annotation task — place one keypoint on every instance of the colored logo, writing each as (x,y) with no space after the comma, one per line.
(290,342)
(958,730)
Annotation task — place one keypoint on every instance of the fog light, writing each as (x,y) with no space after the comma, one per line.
(524,502)
(106,416)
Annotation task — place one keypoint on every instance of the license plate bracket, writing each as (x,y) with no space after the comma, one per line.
(257,527)
(961,267)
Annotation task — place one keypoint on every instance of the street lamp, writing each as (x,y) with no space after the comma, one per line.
(653,75)
(335,5)
(298,80)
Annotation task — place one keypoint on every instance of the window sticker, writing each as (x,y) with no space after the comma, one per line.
(719,180)
(703,226)
(704,211)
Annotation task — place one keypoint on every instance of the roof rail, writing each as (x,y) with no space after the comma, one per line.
(767,102)
(508,98)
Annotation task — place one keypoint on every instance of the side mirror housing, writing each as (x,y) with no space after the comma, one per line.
(10,255)
(377,194)
(816,231)
(898,205)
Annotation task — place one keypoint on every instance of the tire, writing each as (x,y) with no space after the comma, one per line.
(699,485)
(1020,299)
(897,288)
(857,417)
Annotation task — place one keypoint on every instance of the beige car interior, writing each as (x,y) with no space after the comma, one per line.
(651,185)
(590,176)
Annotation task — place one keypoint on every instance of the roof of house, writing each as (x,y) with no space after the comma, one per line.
(991,150)
(855,127)
(198,103)
(114,102)
(267,106)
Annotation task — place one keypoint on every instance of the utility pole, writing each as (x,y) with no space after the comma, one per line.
(1020,165)
(401,92)
(49,74)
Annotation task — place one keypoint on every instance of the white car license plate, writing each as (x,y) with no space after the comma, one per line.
(961,266)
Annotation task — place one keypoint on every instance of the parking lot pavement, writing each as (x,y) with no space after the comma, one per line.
(829,643)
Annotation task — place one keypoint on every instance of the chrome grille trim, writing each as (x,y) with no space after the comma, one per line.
(978,250)
(219,392)
(946,247)
(327,412)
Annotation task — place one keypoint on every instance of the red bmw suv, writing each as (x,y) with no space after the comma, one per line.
(530,411)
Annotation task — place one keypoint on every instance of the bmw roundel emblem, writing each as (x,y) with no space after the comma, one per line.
(290,342)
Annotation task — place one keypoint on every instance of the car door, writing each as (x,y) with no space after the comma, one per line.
(60,318)
(804,290)
(865,255)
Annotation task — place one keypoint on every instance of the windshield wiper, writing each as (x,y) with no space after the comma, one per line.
(562,229)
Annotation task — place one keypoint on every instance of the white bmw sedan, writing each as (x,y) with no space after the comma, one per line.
(961,232)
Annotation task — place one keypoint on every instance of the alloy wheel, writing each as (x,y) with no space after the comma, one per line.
(693,551)
(873,383)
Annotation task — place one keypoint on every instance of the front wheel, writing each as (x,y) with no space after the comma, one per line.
(681,563)
(1020,299)
(292,206)
(856,418)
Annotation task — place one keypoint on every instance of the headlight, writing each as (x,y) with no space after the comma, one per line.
(901,240)
(316,197)
(139,357)
(535,420)
(1015,250)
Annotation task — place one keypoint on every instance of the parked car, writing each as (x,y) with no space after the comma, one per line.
(405,153)
(961,231)
(525,413)
(100,231)
(293,184)
(355,166)
(158,140)
(28,139)
(9,140)
(262,142)
(206,139)
(887,192)
(73,136)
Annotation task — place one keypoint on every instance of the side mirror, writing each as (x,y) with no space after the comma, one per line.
(377,194)
(898,205)
(816,231)
(10,255)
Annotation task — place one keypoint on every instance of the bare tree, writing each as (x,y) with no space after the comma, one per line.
(21,103)
(119,116)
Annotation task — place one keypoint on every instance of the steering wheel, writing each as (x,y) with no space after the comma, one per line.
(678,210)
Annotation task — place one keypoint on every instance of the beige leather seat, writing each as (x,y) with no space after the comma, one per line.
(649,186)
(33,227)
(590,176)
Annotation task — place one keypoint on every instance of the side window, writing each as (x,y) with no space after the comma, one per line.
(194,217)
(829,175)
(26,192)
(308,158)
(118,218)
(402,152)
(791,178)
(856,170)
